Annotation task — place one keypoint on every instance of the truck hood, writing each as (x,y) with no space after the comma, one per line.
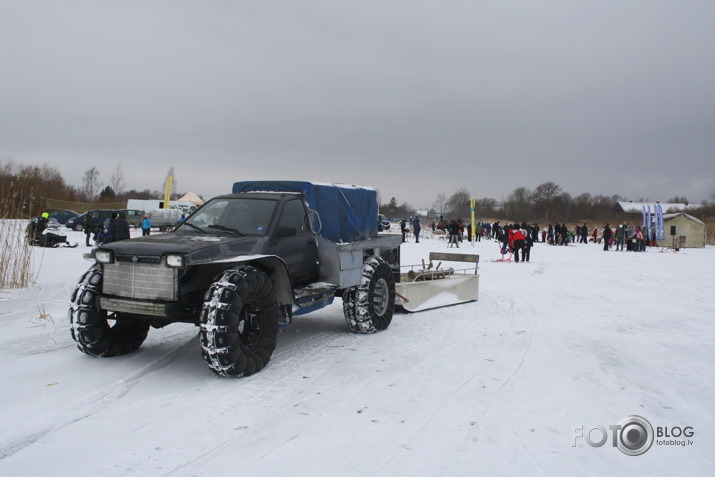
(196,248)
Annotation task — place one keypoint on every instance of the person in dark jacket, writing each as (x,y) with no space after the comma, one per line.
(607,235)
(526,251)
(416,227)
(453,233)
(620,237)
(119,228)
(41,224)
(89,227)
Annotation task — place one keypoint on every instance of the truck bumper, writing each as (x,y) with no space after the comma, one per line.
(137,307)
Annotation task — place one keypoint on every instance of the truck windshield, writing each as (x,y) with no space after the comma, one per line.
(241,216)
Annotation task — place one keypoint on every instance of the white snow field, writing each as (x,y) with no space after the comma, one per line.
(575,339)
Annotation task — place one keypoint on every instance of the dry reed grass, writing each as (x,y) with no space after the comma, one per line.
(15,255)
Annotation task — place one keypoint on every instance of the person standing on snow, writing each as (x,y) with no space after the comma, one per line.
(584,234)
(517,241)
(146,226)
(620,237)
(416,227)
(640,242)
(478,232)
(607,234)
(526,251)
(119,228)
(453,233)
(89,227)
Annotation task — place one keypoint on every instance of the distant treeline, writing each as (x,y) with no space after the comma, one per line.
(25,190)
(546,203)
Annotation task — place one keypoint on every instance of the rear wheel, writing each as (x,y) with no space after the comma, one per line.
(97,332)
(239,322)
(369,306)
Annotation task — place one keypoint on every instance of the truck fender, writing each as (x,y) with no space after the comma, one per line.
(273,266)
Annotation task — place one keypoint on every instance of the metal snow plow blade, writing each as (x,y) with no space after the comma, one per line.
(433,286)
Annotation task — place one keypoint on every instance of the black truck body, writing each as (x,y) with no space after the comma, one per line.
(239,267)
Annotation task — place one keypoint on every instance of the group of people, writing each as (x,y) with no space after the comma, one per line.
(111,230)
(454,228)
(114,229)
(414,225)
(519,238)
(624,237)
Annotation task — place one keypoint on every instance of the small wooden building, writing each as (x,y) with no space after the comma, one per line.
(683,229)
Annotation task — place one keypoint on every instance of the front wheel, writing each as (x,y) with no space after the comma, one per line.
(97,332)
(369,306)
(239,322)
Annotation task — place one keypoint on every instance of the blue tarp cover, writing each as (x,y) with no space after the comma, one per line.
(348,213)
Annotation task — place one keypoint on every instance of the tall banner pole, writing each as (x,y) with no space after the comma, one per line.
(167,192)
(472,206)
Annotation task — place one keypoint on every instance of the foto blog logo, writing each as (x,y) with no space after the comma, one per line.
(633,435)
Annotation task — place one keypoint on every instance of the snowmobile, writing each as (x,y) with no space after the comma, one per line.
(46,233)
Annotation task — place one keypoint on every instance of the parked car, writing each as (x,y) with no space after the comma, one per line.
(63,215)
(60,216)
(134,216)
(165,219)
(383,223)
(99,215)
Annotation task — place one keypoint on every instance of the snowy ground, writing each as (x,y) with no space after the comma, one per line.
(576,338)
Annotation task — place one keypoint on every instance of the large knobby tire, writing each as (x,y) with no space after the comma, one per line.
(239,322)
(369,306)
(92,328)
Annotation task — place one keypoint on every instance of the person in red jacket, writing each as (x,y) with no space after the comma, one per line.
(517,241)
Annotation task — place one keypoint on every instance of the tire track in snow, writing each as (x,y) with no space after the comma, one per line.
(96,401)
(501,363)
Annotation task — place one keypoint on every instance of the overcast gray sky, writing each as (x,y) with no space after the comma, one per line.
(412,98)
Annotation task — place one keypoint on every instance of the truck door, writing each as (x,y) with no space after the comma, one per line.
(294,241)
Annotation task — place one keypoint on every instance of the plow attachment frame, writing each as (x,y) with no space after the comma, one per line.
(433,287)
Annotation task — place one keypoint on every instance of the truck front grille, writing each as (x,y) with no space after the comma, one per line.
(142,281)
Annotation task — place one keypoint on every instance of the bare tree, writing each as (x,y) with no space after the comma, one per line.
(544,196)
(458,203)
(117,181)
(439,203)
(91,183)
(486,207)
(679,200)
(546,192)
(518,204)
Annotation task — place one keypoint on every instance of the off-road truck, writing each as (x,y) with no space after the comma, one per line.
(239,267)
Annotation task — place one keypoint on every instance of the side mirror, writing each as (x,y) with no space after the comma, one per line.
(286,232)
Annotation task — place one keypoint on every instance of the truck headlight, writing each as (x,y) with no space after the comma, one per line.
(104,256)
(175,261)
